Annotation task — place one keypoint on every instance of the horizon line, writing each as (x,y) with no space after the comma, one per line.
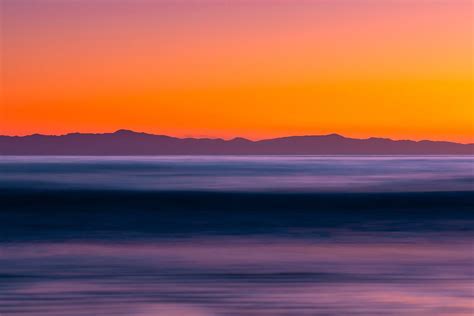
(124,130)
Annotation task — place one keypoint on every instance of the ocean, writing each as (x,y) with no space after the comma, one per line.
(236,235)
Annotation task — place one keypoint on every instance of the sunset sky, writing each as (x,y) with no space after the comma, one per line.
(224,68)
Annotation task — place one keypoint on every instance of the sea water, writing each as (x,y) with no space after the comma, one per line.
(236,235)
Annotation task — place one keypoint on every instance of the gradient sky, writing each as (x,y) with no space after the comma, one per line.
(261,68)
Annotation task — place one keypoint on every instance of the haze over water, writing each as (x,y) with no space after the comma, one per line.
(202,235)
(241,173)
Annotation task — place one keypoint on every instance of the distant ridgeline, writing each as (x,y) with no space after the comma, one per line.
(125,142)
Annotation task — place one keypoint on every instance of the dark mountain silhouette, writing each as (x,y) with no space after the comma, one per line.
(125,142)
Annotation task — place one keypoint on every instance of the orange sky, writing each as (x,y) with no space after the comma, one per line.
(262,68)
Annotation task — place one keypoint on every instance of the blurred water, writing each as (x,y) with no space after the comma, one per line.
(207,236)
(242,173)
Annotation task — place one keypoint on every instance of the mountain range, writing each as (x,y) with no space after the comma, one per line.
(126,142)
